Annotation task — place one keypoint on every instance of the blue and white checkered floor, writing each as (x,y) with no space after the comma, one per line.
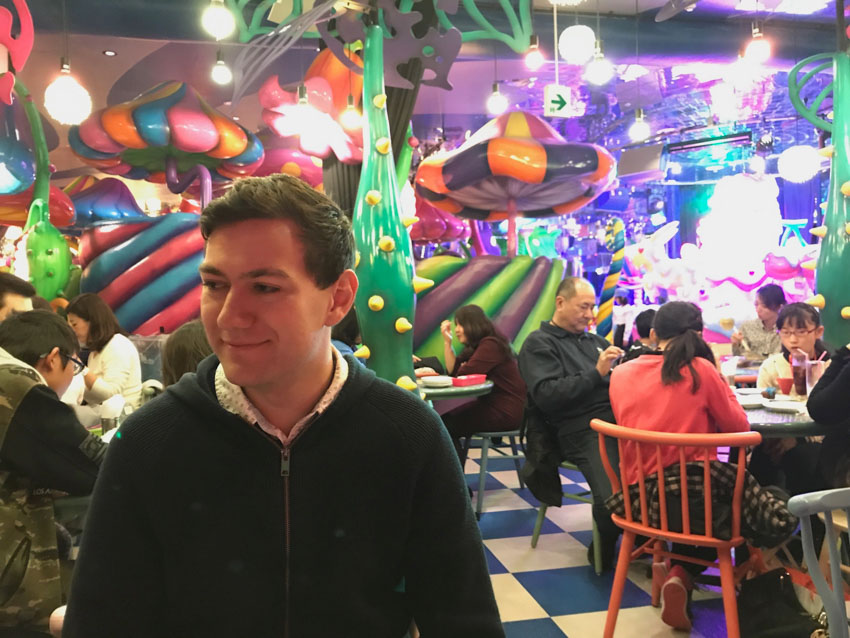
(551,591)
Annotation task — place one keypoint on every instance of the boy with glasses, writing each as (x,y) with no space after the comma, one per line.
(43,447)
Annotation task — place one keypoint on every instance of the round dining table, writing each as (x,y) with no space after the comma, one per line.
(783,424)
(453,396)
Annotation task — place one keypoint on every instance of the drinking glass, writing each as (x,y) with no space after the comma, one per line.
(814,371)
(729,368)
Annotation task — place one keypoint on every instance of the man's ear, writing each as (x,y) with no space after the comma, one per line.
(344,289)
(48,362)
(653,336)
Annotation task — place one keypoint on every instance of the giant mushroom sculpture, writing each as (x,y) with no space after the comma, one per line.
(515,165)
(168,134)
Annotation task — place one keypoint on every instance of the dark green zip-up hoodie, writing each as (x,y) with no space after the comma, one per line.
(193,530)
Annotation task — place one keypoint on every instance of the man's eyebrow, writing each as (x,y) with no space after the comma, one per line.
(264,272)
(206,269)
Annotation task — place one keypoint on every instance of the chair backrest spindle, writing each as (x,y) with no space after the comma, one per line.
(662,488)
(683,479)
(644,513)
(706,477)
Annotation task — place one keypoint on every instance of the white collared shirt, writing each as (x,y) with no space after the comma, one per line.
(233,399)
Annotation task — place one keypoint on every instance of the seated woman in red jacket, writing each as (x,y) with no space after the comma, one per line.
(485,351)
(680,390)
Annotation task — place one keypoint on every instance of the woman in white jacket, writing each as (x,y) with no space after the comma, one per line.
(113,365)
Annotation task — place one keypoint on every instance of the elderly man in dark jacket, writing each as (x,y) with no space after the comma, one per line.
(566,370)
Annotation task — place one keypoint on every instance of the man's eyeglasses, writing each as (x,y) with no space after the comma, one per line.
(79,366)
(798,333)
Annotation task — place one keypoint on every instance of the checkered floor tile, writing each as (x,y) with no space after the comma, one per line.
(550,591)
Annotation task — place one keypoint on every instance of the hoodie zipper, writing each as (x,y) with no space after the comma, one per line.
(285,454)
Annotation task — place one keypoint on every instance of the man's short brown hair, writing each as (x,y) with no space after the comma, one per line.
(322,227)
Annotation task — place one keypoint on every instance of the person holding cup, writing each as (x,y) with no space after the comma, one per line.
(791,463)
(800,333)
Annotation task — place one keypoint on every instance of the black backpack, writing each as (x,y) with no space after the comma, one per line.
(769,608)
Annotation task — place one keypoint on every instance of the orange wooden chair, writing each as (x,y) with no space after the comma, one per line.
(645,443)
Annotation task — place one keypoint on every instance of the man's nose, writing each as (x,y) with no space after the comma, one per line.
(235,312)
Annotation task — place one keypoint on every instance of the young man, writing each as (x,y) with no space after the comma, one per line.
(15,295)
(644,344)
(282,490)
(42,447)
(566,370)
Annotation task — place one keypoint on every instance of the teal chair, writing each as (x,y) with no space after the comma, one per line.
(832,594)
(486,447)
(581,497)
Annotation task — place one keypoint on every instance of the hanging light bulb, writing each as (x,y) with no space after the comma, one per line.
(758,51)
(350,117)
(217,20)
(640,130)
(799,164)
(577,44)
(599,70)
(221,72)
(496,103)
(534,58)
(65,99)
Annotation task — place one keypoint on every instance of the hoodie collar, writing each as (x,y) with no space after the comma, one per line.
(8,360)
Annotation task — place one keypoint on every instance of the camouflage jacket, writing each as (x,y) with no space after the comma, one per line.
(30,587)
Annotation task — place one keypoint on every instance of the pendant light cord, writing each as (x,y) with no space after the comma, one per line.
(555,30)
(65,47)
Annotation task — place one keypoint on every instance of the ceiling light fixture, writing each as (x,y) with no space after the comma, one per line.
(350,117)
(65,99)
(534,57)
(577,44)
(640,130)
(799,164)
(496,103)
(565,3)
(221,73)
(217,20)
(109,53)
(599,70)
(758,51)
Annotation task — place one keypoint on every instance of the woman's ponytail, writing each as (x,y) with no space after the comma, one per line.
(680,324)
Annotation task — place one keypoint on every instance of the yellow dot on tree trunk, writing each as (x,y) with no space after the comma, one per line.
(363,352)
(373,198)
(383,145)
(380,100)
(817,301)
(387,244)
(420,284)
(376,303)
(402,325)
(818,231)
(406,382)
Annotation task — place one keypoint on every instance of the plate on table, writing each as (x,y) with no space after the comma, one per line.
(788,407)
(749,391)
(750,401)
(438,381)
